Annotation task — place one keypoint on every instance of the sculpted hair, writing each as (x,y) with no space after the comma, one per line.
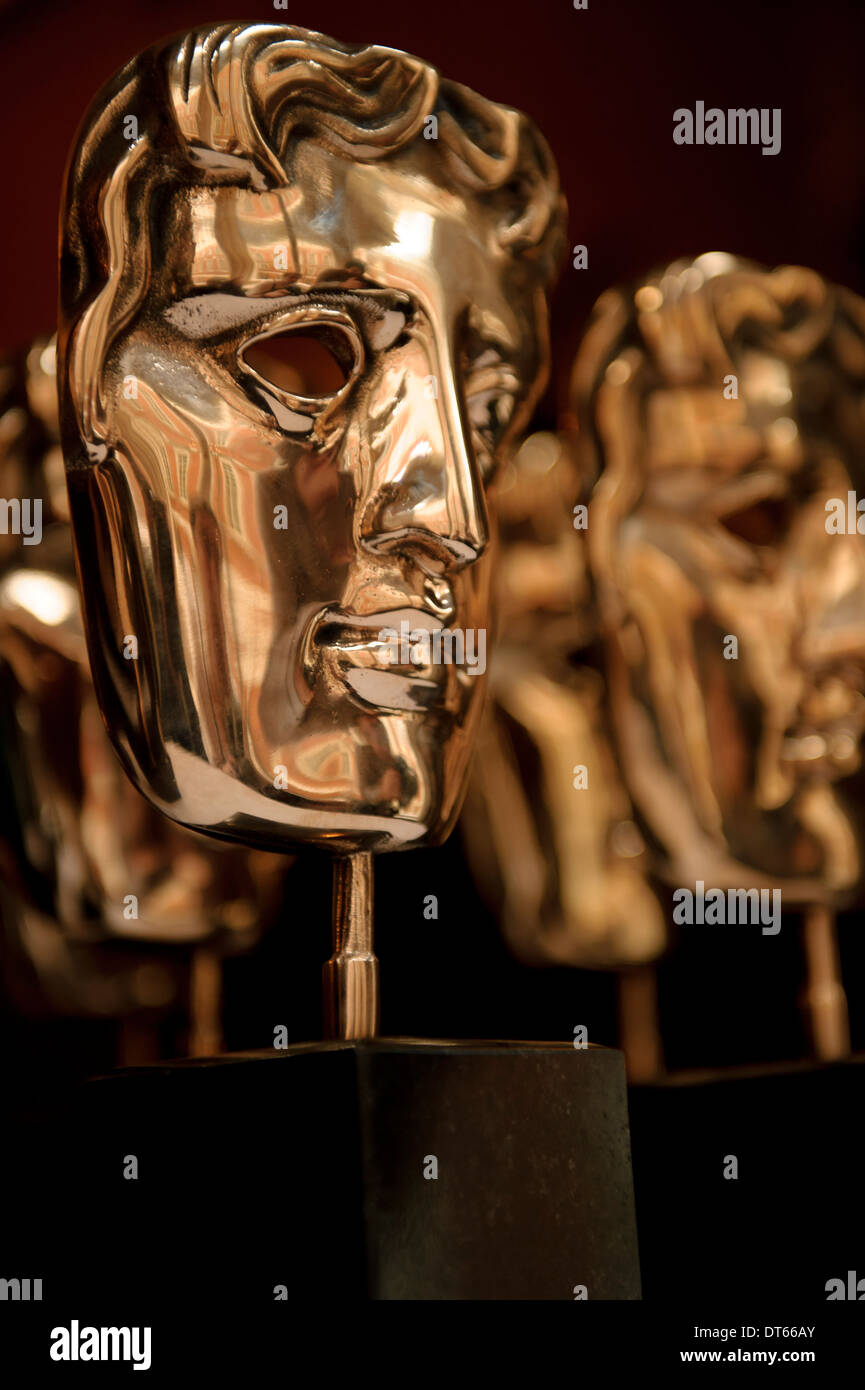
(228,105)
(689,324)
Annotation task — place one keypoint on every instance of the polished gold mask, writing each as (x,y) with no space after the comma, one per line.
(97,890)
(720,409)
(303,313)
(547,824)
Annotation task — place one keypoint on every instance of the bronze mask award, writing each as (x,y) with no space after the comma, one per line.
(108,909)
(730,599)
(303,315)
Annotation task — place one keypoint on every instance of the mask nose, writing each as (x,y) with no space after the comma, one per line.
(425,494)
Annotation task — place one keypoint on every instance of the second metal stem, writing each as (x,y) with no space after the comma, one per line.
(825,998)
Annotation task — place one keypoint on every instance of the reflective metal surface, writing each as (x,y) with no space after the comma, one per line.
(296,335)
(351,1002)
(721,426)
(548,824)
(86,863)
(708,520)
(716,419)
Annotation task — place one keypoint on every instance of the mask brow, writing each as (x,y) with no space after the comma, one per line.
(209,314)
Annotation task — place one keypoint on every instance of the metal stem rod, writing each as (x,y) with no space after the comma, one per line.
(825,998)
(639,1023)
(351,974)
(205,1003)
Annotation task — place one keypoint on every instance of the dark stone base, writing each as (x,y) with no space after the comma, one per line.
(305,1169)
(791,1221)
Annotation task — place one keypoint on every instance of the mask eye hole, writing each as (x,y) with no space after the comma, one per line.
(763,523)
(312,362)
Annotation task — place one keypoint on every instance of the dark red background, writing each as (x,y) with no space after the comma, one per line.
(602,84)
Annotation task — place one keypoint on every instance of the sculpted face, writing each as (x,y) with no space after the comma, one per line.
(86,861)
(302,417)
(567,888)
(736,623)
